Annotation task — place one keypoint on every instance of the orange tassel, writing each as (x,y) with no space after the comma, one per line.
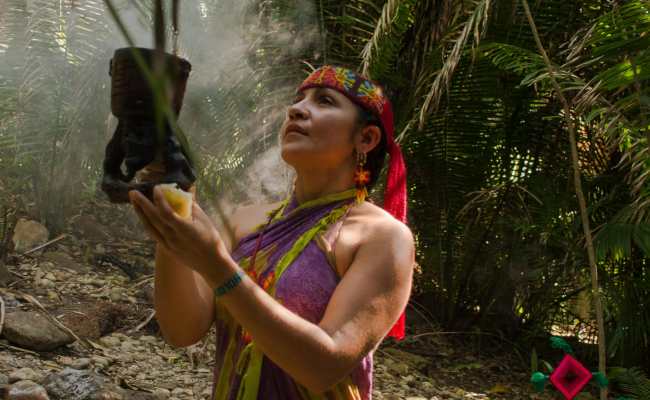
(268,281)
(361,195)
(361,179)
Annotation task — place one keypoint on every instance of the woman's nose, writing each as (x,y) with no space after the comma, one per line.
(297,111)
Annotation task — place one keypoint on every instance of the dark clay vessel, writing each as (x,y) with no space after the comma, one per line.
(135,142)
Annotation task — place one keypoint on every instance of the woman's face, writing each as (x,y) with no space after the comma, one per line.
(318,129)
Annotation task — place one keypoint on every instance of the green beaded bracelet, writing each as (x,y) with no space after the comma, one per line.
(228,285)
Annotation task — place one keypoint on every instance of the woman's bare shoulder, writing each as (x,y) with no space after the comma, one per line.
(385,236)
(246,218)
(373,218)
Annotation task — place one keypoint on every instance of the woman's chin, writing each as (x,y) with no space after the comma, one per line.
(294,154)
(289,154)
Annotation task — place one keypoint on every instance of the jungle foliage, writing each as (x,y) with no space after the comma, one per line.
(491,198)
(492,203)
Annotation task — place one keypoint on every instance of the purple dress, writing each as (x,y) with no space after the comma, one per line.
(305,288)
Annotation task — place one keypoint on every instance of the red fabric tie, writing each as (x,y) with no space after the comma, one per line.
(395,194)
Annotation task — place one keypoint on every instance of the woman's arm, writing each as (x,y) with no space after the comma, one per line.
(364,306)
(183,300)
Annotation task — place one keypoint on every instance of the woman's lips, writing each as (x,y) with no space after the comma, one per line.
(295,128)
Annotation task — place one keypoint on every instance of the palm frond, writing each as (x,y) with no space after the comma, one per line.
(625,74)
(515,59)
(475,27)
(396,18)
(635,382)
(617,239)
(624,27)
(620,35)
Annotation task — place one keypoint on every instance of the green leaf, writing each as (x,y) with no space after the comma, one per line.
(539,380)
(561,344)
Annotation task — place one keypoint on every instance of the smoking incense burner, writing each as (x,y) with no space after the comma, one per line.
(136,143)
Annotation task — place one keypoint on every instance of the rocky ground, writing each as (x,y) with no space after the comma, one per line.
(76,322)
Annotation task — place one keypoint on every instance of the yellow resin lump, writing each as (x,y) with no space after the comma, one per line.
(179,200)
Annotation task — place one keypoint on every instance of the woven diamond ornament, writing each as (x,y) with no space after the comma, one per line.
(570,377)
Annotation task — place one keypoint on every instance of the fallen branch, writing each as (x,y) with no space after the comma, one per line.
(142,281)
(19,349)
(145,322)
(18,275)
(58,238)
(53,319)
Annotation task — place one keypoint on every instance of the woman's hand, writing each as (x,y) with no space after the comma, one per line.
(194,241)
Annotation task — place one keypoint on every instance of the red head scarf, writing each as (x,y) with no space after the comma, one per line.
(369,96)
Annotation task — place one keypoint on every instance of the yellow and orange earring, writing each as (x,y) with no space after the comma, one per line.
(361,177)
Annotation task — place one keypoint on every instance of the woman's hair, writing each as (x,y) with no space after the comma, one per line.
(376,156)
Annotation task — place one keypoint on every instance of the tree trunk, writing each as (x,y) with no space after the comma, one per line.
(577,181)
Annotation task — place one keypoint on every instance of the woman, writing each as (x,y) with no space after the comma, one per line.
(310,286)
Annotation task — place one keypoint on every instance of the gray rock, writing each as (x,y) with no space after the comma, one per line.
(43,267)
(136,395)
(73,384)
(148,339)
(181,391)
(25,374)
(80,363)
(4,379)
(128,346)
(99,249)
(110,341)
(29,234)
(27,390)
(100,362)
(90,229)
(163,394)
(116,294)
(107,394)
(33,331)
(46,283)
(64,260)
(86,385)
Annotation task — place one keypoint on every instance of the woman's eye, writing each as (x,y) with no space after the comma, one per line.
(326,100)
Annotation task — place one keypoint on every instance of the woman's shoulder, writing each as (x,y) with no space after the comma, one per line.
(388,242)
(374,220)
(369,226)
(245,219)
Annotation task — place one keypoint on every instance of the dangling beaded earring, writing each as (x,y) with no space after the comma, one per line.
(361,177)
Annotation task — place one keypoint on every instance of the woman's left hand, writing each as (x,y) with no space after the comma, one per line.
(194,241)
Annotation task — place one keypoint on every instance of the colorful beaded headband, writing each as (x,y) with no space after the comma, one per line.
(357,88)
